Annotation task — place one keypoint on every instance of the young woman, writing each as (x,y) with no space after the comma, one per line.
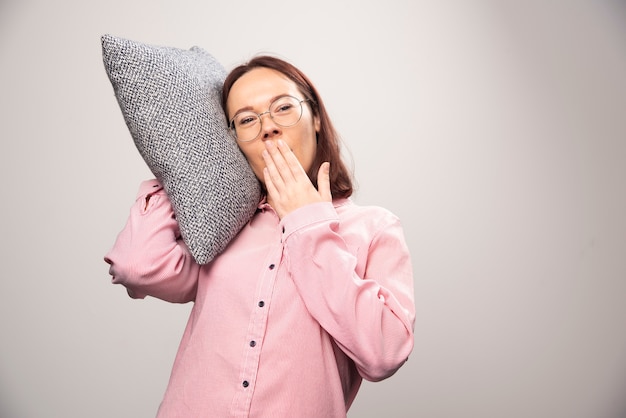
(313,295)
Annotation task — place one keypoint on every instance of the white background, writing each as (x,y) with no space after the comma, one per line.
(495,130)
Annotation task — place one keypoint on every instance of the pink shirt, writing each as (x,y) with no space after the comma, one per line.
(288,319)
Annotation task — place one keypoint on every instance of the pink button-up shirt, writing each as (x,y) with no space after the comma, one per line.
(288,319)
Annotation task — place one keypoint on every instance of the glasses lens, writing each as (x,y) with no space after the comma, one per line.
(286,111)
(247,126)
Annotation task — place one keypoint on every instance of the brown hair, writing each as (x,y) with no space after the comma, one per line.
(327,138)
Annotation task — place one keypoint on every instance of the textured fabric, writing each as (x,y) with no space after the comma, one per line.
(288,319)
(170,100)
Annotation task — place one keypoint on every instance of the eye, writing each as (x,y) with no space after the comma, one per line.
(284,105)
(245,119)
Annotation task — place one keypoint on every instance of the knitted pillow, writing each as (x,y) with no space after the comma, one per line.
(170,100)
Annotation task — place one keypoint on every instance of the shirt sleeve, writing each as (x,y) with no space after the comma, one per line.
(371,316)
(149,257)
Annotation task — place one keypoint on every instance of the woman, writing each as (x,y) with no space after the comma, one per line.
(314,294)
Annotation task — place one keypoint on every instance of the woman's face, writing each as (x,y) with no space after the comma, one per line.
(255,91)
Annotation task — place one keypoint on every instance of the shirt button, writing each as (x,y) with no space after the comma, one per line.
(245,384)
(261,304)
(252,343)
(272,266)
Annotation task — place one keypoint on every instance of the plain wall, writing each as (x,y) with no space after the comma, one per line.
(495,130)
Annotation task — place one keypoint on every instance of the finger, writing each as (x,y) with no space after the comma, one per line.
(323,182)
(271,171)
(295,168)
(269,184)
(281,167)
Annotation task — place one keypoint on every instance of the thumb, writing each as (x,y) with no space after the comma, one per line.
(323,182)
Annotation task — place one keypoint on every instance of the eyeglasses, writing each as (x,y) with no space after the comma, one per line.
(285,111)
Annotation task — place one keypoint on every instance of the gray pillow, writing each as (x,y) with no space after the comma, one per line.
(170,100)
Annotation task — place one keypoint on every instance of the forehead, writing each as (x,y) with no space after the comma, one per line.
(258,87)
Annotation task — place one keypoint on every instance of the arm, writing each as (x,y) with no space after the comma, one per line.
(149,257)
(370,314)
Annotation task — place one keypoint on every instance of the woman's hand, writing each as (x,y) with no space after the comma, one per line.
(288,186)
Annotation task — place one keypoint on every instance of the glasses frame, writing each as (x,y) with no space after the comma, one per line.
(233,130)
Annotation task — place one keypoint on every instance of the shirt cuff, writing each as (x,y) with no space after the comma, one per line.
(149,187)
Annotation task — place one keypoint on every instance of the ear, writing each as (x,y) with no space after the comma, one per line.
(317,124)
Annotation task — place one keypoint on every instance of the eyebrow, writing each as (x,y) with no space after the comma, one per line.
(250,108)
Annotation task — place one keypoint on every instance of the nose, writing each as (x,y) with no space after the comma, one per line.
(269,128)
